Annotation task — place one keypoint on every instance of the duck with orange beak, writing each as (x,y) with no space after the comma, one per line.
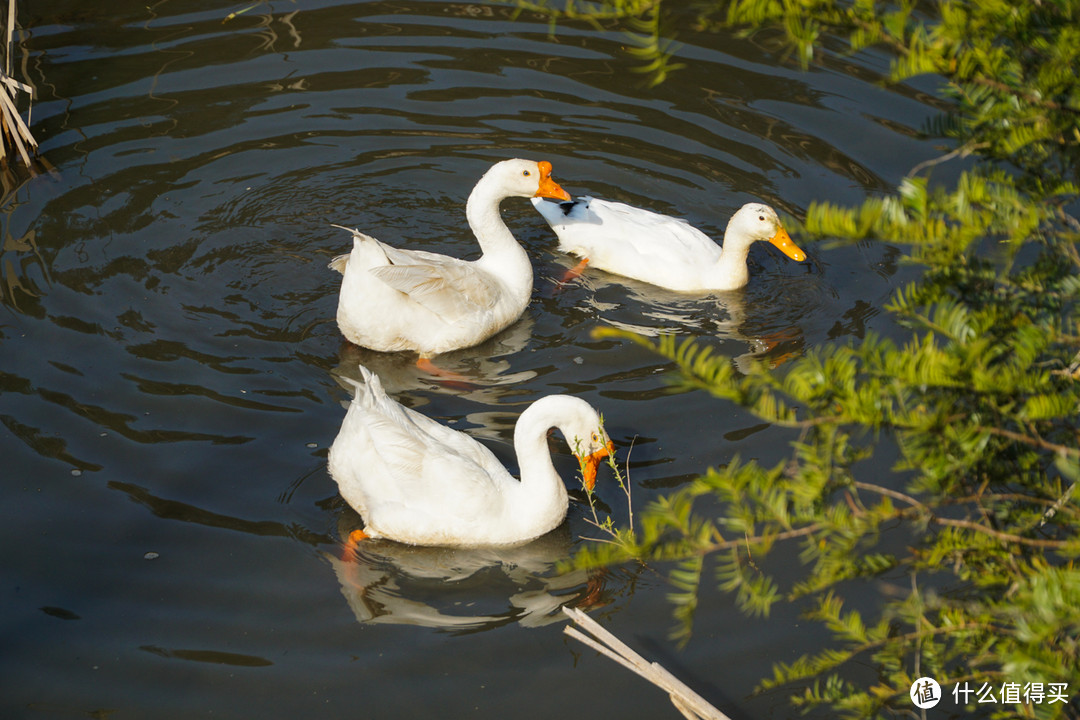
(394,299)
(662,250)
(417,481)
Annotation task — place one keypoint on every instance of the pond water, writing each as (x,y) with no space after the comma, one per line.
(173,375)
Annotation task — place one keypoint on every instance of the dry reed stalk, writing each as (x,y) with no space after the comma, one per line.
(14,131)
(686,701)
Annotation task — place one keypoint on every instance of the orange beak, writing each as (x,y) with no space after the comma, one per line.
(783,241)
(590,463)
(548,187)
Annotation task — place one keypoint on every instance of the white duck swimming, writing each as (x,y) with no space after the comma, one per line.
(393,299)
(416,481)
(663,250)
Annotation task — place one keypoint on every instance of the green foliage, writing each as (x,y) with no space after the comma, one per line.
(982,404)
(974,534)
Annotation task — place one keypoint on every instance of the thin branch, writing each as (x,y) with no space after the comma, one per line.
(786,535)
(962,151)
(1058,505)
(1054,505)
(966,524)
(1003,536)
(1029,97)
(1034,441)
(894,494)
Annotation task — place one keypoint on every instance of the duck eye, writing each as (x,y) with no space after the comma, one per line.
(761,218)
(525,173)
(595,437)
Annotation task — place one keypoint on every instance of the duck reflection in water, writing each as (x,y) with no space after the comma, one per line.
(484,371)
(771,332)
(463,589)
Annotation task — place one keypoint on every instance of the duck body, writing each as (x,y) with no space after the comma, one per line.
(416,481)
(393,299)
(662,250)
(403,299)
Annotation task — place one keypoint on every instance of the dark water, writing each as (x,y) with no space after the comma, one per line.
(172,375)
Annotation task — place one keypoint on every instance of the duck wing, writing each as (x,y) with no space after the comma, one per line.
(398,466)
(452,289)
(630,241)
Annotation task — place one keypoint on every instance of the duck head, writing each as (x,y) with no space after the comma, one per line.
(525,178)
(757,221)
(591,452)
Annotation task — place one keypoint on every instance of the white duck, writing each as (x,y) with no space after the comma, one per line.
(393,299)
(416,481)
(663,250)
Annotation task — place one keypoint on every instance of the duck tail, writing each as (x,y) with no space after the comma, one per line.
(375,252)
(339,263)
(368,389)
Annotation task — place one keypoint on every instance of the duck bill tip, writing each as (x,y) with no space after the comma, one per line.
(588,475)
(591,462)
(783,241)
(549,188)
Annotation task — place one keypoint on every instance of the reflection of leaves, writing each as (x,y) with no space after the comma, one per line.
(649,47)
(643,18)
(592,12)
(18,254)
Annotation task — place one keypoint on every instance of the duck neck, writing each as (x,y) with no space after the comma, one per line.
(502,255)
(730,270)
(542,490)
(486,221)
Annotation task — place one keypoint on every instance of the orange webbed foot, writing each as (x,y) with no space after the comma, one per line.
(774,340)
(348,553)
(575,272)
(595,586)
(425,365)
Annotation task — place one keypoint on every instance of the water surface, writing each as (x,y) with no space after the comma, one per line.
(173,376)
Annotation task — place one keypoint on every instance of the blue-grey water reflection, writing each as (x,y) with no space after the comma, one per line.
(173,375)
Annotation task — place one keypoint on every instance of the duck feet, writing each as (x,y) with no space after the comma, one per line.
(348,552)
(425,365)
(575,272)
